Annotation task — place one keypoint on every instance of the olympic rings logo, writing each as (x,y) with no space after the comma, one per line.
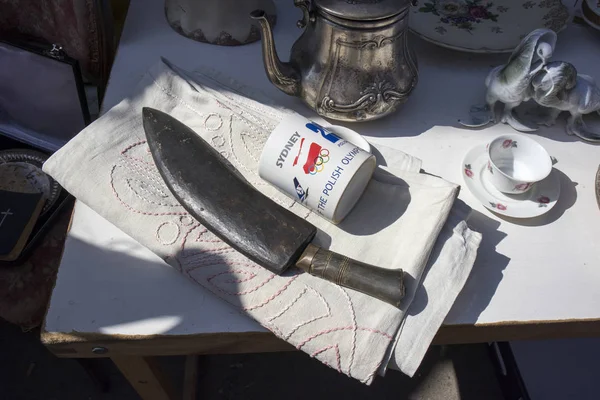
(319,162)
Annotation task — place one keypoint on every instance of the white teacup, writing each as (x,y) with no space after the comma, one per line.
(316,167)
(516,162)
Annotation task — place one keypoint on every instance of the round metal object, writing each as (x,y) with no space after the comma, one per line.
(220,22)
(362,10)
(346,70)
(36,159)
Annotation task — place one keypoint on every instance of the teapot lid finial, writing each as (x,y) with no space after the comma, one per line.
(367,10)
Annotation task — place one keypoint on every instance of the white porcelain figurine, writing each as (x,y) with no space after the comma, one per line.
(554,85)
(509,83)
(558,86)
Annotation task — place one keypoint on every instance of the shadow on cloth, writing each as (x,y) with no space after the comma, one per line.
(380,206)
(139,295)
(486,274)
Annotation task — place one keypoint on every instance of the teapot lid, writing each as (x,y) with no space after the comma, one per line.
(366,10)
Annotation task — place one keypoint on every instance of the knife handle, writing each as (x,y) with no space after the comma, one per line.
(384,284)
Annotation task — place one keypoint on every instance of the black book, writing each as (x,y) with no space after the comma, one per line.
(18,215)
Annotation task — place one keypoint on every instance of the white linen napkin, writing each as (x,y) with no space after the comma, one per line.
(394,225)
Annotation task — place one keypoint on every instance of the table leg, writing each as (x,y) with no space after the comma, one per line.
(144,375)
(90,367)
(190,379)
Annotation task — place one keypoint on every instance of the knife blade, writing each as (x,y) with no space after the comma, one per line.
(218,196)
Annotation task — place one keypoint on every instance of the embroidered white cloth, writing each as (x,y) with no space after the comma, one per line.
(395,224)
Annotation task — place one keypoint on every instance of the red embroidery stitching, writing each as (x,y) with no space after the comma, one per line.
(252,275)
(202,232)
(254,289)
(343,328)
(337,355)
(131,146)
(267,301)
(304,323)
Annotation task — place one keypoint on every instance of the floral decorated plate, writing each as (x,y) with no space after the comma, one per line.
(536,201)
(485,26)
(21,170)
(590,11)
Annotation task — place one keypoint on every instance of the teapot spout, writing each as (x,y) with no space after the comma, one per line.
(282,75)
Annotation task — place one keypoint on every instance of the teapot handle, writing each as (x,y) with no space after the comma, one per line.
(305,6)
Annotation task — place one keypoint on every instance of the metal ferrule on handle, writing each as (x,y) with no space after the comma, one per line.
(384,284)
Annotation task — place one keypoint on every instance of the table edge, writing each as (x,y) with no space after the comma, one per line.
(80,345)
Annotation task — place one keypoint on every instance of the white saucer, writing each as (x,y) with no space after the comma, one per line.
(536,201)
(350,135)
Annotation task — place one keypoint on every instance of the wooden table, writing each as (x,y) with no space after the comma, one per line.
(533,279)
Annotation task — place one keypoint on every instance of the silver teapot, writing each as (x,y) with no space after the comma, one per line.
(353,61)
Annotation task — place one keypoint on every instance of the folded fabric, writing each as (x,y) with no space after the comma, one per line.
(447,271)
(394,225)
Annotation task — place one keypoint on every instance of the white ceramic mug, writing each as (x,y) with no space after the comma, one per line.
(315,167)
(516,162)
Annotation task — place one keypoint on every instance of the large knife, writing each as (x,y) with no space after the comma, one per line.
(218,196)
